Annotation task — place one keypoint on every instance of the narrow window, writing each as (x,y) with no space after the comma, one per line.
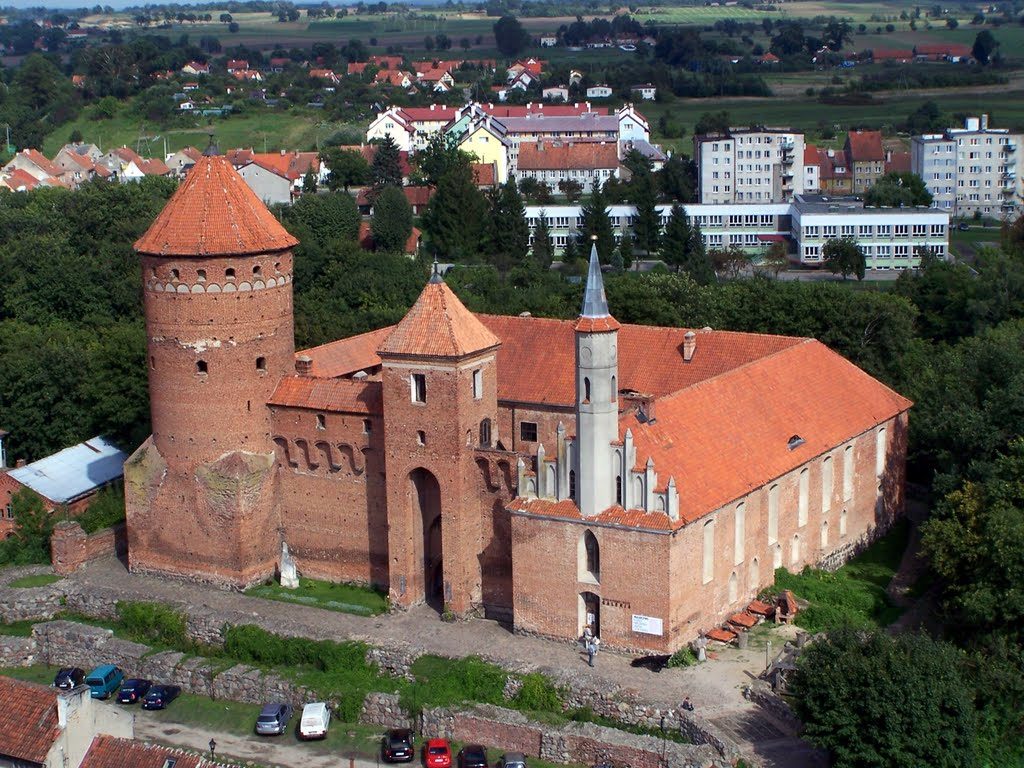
(152,361)
(880,452)
(586,390)
(421,437)
(824,534)
(593,555)
(261,364)
(615,392)
(229,273)
(257,271)
(773,514)
(478,383)
(842,523)
(794,555)
(201,275)
(201,367)
(740,526)
(485,433)
(826,484)
(805,485)
(418,382)
(277,266)
(175,274)
(618,489)
(848,473)
(709,551)
(733,587)
(755,574)
(572,484)
(367,427)
(321,421)
(528,431)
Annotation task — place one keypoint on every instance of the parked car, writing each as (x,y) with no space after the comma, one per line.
(473,756)
(316,719)
(396,746)
(437,754)
(273,719)
(511,760)
(68,678)
(133,689)
(104,680)
(963,226)
(160,696)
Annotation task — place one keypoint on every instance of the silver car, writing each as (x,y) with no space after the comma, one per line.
(273,719)
(512,760)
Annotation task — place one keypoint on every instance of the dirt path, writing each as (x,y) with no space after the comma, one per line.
(266,752)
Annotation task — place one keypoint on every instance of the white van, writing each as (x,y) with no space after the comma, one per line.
(316,718)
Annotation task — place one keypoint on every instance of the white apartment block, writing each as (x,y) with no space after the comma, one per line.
(889,237)
(974,169)
(749,166)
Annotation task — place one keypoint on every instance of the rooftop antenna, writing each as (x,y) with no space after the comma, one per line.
(435,276)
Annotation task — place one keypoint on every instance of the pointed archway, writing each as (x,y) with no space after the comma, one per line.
(425,500)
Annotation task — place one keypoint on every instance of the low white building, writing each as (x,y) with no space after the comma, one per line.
(647,92)
(555,93)
(599,92)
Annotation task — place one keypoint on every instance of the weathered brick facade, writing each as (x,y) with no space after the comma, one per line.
(440,459)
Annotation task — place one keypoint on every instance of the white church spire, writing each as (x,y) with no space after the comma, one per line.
(595,303)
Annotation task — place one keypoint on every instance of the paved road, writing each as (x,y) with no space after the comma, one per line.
(266,752)
(714,688)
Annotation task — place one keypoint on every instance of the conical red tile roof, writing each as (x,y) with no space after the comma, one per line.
(438,325)
(214,213)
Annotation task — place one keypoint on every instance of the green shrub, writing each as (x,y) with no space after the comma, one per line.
(106,510)
(684,657)
(442,682)
(538,694)
(154,623)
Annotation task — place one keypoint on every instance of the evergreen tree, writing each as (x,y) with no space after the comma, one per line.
(647,223)
(456,219)
(571,252)
(623,257)
(597,223)
(542,250)
(676,241)
(309,182)
(392,220)
(697,263)
(509,232)
(387,164)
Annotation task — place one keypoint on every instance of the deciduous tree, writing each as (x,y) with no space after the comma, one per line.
(391,224)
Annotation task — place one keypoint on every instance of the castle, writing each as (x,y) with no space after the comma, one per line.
(549,473)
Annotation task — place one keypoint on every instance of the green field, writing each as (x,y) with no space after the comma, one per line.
(39,580)
(345,598)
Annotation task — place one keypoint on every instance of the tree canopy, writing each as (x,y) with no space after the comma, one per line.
(510,36)
(898,190)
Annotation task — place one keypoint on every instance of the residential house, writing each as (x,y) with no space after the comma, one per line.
(34,163)
(951,52)
(278,64)
(972,170)
(646,91)
(78,162)
(599,92)
(357,67)
(486,138)
(575,77)
(522,81)
(187,106)
(127,165)
(500,92)
(534,67)
(555,93)
(812,169)
(78,81)
(278,177)
(67,480)
(248,75)
(388,62)
(654,154)
(418,197)
(835,174)
(440,80)
(866,155)
(196,68)
(768,59)
(895,55)
(324,74)
(585,162)
(45,727)
(236,65)
(485,175)
(18,180)
(393,77)
(369,151)
(548,41)
(187,87)
(180,162)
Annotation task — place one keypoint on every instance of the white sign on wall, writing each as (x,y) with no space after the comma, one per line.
(648,625)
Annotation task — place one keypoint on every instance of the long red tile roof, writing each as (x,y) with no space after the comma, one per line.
(438,325)
(28,727)
(110,752)
(339,395)
(567,155)
(214,212)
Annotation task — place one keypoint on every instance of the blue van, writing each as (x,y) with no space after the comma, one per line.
(104,681)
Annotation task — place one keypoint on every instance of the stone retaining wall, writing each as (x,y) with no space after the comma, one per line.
(29,603)
(761,693)
(17,651)
(581,743)
(384,709)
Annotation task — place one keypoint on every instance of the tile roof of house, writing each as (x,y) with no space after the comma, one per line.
(214,212)
(290,165)
(484,174)
(42,162)
(111,752)
(865,146)
(346,356)
(897,54)
(898,162)
(811,156)
(73,472)
(357,67)
(369,151)
(153,166)
(387,62)
(834,166)
(29,725)
(433,75)
(237,64)
(416,195)
(392,77)
(438,325)
(434,112)
(19,179)
(551,123)
(337,395)
(567,155)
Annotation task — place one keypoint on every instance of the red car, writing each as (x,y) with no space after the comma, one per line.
(437,754)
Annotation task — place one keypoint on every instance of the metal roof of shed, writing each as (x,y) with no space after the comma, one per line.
(73,472)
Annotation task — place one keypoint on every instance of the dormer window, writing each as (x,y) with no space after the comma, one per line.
(795,442)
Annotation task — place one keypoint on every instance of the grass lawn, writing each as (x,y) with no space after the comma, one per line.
(18,628)
(346,598)
(853,594)
(39,580)
(38,673)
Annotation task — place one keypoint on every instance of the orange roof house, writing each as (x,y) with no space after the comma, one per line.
(864,146)
(567,155)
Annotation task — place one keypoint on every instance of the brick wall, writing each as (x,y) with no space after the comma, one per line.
(71,547)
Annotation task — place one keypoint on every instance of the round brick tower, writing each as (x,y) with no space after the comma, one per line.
(201,493)
(217,277)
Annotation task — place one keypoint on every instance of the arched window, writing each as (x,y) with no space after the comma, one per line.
(880,452)
(586,390)
(824,534)
(755,574)
(593,554)
(848,473)
(709,551)
(485,433)
(739,533)
(777,555)
(201,367)
(773,514)
(826,484)
(618,489)
(794,553)
(842,523)
(261,364)
(733,587)
(804,501)
(572,484)
(229,273)
(615,391)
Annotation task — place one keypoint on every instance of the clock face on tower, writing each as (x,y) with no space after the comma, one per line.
(585,354)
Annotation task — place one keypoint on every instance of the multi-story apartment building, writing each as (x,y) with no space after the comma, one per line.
(974,169)
(890,237)
(764,165)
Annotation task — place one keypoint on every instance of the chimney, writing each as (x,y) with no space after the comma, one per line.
(19,463)
(984,122)
(70,702)
(284,152)
(689,345)
(304,365)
